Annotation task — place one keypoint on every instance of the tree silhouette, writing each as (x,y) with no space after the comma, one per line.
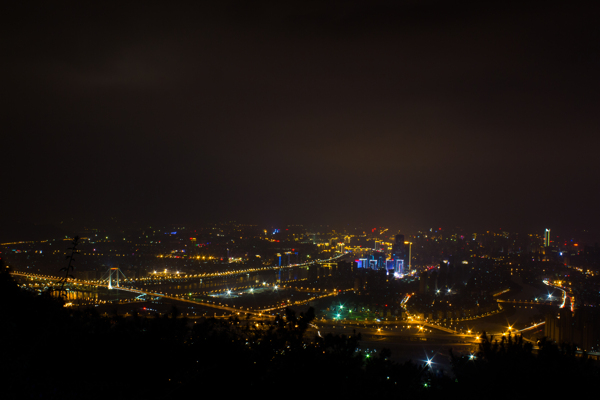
(70,267)
(510,366)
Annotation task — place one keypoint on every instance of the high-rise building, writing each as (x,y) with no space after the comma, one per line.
(547,238)
(389,265)
(399,267)
(398,249)
(399,255)
(395,266)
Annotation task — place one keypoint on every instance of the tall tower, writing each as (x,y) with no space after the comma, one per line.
(398,249)
(547,238)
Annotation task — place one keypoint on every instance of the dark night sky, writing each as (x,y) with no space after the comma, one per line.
(407,114)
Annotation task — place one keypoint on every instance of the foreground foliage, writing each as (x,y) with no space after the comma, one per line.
(511,367)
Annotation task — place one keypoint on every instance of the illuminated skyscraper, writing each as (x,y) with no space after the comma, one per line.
(399,254)
(547,238)
(398,249)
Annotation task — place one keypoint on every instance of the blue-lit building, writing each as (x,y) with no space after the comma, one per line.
(374,261)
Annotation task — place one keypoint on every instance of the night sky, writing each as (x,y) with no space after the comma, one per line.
(410,114)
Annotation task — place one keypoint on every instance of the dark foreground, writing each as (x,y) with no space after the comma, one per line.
(52,352)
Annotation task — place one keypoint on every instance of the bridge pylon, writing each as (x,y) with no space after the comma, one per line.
(113,274)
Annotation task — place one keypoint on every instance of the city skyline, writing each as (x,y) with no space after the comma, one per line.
(23,230)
